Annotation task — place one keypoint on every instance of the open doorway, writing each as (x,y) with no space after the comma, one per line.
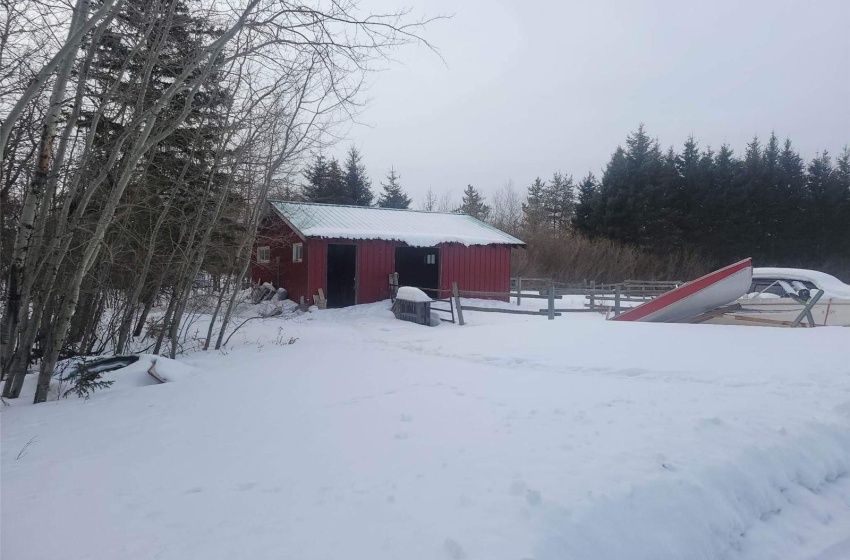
(418,267)
(342,275)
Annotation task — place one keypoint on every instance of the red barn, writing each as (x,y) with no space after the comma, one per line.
(350,251)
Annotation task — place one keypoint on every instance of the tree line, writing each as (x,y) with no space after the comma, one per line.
(768,204)
(327,181)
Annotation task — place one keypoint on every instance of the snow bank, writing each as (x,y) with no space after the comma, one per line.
(511,437)
(409,293)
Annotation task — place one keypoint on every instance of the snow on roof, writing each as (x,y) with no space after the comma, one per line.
(418,229)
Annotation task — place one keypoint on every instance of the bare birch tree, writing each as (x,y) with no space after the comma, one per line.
(156,154)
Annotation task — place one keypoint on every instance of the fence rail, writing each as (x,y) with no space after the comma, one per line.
(604,298)
(550,296)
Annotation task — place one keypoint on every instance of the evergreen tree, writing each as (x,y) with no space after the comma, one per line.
(183,169)
(393,195)
(828,197)
(325,182)
(767,204)
(533,209)
(559,202)
(842,188)
(586,216)
(316,176)
(473,204)
(356,181)
(792,211)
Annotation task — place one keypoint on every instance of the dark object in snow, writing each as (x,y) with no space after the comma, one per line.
(103,365)
(418,312)
(85,377)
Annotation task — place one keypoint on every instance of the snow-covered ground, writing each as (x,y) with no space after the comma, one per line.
(512,438)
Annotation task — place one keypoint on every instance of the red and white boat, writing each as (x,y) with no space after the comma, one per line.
(694,298)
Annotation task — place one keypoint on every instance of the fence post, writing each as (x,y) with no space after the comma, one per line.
(456,295)
(551,302)
(616,301)
(592,292)
(519,291)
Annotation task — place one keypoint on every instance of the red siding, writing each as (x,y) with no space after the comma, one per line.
(375,262)
(279,237)
(484,268)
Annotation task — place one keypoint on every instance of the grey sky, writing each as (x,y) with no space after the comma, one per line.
(530,88)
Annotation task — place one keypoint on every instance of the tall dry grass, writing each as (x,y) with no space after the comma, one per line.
(574,259)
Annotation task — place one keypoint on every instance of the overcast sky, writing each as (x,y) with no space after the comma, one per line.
(530,88)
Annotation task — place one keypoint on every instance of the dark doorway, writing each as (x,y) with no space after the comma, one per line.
(342,275)
(418,267)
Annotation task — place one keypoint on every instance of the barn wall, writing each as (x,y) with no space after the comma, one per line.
(375,262)
(318,249)
(483,268)
(279,237)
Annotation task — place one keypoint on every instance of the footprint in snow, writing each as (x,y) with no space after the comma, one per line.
(406,418)
(401,435)
(246,486)
(194,490)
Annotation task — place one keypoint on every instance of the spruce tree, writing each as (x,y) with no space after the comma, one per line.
(533,208)
(325,182)
(356,181)
(826,220)
(473,204)
(183,169)
(586,215)
(792,214)
(559,202)
(316,175)
(393,195)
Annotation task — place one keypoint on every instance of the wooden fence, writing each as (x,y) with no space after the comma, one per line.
(602,298)
(550,297)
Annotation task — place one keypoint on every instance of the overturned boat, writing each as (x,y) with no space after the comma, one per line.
(694,298)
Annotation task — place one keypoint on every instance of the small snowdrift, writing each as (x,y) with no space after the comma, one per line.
(136,374)
(170,370)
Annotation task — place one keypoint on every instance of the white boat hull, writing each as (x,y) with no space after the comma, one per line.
(694,298)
